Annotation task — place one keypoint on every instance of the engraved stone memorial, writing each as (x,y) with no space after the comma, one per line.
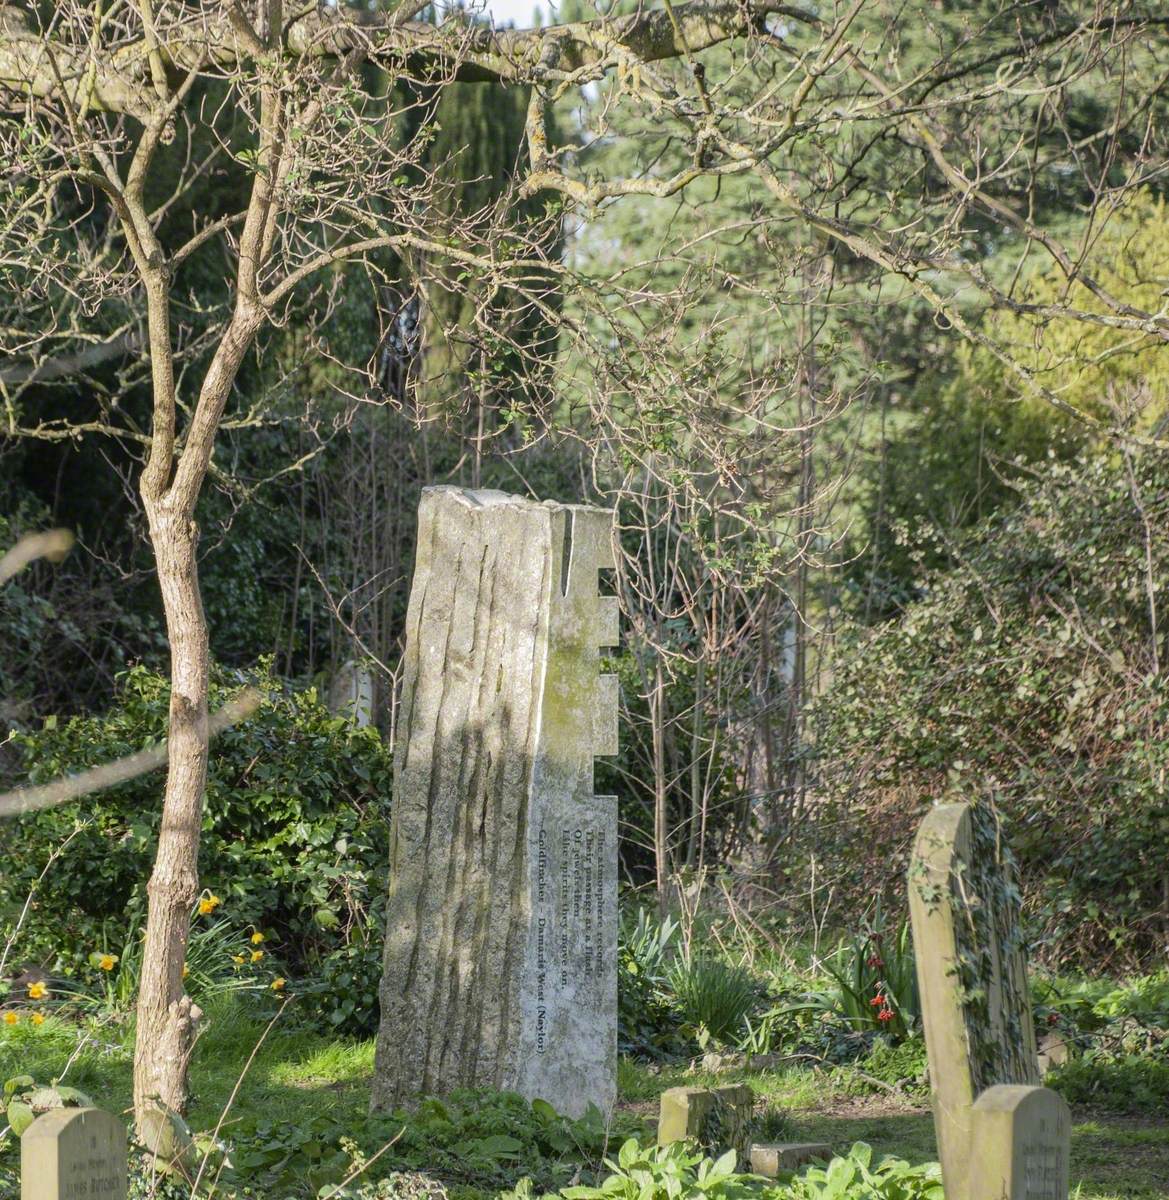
(73,1154)
(500,956)
(1000,1135)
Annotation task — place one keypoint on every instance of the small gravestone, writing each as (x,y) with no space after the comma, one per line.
(717,1118)
(1019,1144)
(500,964)
(771,1158)
(73,1154)
(1000,1135)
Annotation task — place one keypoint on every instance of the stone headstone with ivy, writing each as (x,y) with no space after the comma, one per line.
(501,927)
(1000,1135)
(73,1154)
(718,1119)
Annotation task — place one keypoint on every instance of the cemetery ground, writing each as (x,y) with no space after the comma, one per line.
(298,1121)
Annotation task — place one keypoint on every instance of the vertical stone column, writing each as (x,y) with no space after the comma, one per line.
(991,1117)
(501,928)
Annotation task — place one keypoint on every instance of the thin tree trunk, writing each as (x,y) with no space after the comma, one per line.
(661,848)
(697,791)
(165,1013)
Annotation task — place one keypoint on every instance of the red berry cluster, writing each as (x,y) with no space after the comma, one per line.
(881,1003)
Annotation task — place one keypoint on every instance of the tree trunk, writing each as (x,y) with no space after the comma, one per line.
(165,1016)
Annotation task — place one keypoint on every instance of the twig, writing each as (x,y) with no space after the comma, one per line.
(72,787)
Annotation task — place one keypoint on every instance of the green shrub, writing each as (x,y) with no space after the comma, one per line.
(1026,673)
(714,997)
(855,1176)
(875,981)
(480,1139)
(673,1172)
(1120,1082)
(900,1067)
(647,1025)
(295,841)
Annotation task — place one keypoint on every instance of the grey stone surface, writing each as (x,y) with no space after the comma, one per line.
(500,956)
(972,976)
(73,1154)
(770,1158)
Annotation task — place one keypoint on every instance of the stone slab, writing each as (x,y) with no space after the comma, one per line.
(73,1154)
(771,1158)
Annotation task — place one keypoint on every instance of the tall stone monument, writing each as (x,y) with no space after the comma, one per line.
(1000,1135)
(501,927)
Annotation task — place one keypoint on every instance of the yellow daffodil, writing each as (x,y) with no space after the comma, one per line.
(209,904)
(257,938)
(257,955)
(107,962)
(278,985)
(38,1018)
(186,970)
(37,991)
(237,959)
(11,1018)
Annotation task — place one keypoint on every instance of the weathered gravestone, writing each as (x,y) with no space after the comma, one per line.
(500,957)
(73,1154)
(1000,1135)
(717,1119)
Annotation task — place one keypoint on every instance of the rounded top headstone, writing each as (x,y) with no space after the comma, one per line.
(73,1154)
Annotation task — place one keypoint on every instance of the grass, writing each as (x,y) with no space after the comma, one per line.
(300,1076)
(1113,1157)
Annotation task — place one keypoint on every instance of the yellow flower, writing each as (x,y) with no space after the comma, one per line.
(257,955)
(209,904)
(38,1018)
(237,959)
(186,970)
(37,991)
(11,1018)
(107,962)
(278,985)
(257,938)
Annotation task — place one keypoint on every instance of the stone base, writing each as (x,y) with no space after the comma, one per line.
(770,1158)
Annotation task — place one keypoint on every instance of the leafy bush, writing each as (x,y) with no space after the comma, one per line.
(901,1068)
(647,1025)
(714,997)
(672,1172)
(876,981)
(295,840)
(855,1176)
(477,1139)
(680,1172)
(1120,1082)
(1027,672)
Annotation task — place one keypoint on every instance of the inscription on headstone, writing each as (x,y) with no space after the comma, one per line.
(1000,1136)
(500,963)
(73,1154)
(1020,1144)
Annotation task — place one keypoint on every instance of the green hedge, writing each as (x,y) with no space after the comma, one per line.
(295,839)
